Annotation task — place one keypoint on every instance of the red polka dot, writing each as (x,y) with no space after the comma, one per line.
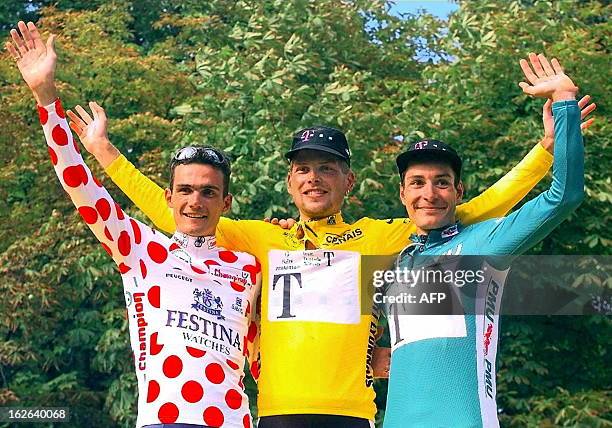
(75,175)
(246,421)
(213,417)
(237,286)
(156,348)
(136,229)
(152,391)
(233,399)
(120,214)
(157,252)
(107,233)
(95,179)
(253,270)
(252,332)
(53,155)
(214,373)
(59,109)
(124,244)
(195,352)
(174,246)
(104,208)
(197,270)
(173,366)
(228,256)
(42,115)
(168,413)
(210,263)
(143,269)
(59,136)
(232,364)
(89,214)
(192,391)
(107,249)
(255,370)
(153,296)
(123,268)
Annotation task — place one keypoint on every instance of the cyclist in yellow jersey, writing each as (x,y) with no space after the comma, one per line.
(315,344)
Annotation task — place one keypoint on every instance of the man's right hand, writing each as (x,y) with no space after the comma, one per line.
(546,80)
(36,61)
(93,133)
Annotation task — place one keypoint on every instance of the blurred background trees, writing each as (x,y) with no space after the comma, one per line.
(244,76)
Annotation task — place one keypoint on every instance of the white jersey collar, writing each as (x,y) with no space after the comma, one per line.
(194,245)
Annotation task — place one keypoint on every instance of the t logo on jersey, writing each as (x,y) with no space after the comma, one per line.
(287,291)
(313,285)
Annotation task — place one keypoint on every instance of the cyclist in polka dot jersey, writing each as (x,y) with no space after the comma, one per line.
(190,303)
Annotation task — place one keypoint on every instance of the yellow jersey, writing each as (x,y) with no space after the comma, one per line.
(316,339)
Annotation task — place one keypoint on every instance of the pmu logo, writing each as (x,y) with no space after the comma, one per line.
(206,301)
(286,277)
(307,135)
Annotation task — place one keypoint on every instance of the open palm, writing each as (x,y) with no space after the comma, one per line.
(36,60)
(545,78)
(90,130)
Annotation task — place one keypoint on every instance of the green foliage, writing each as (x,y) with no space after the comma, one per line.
(244,76)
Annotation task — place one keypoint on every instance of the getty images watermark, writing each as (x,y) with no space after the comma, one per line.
(450,285)
(412,280)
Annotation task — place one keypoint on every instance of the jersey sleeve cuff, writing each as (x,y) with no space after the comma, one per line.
(116,166)
(558,105)
(55,108)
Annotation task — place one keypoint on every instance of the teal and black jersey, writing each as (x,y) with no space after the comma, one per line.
(443,366)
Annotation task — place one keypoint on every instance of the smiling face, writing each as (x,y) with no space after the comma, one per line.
(196,198)
(317,182)
(430,196)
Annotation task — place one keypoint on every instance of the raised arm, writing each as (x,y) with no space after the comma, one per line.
(145,193)
(537,218)
(118,234)
(500,198)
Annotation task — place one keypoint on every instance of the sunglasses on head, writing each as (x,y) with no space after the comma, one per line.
(198,152)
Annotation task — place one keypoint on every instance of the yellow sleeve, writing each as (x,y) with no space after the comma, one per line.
(247,236)
(500,198)
(145,194)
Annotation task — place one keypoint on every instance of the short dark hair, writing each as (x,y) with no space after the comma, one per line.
(430,158)
(203,155)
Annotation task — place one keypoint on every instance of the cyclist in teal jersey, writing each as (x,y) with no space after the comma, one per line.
(443,366)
